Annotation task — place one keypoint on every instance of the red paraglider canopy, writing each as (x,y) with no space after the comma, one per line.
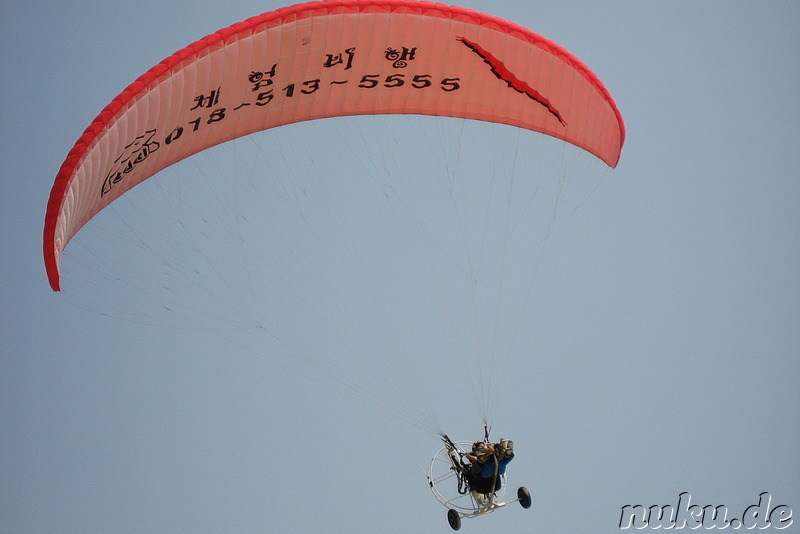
(327,59)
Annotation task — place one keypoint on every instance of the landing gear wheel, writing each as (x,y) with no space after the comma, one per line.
(454,519)
(524,497)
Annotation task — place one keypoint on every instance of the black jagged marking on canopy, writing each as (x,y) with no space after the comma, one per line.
(504,73)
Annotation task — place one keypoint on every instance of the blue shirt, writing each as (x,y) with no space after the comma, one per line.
(488,467)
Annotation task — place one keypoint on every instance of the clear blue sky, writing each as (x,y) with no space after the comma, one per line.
(660,351)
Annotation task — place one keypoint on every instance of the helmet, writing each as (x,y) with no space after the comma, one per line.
(481,451)
(505,449)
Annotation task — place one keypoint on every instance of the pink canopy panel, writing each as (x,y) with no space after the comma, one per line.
(327,59)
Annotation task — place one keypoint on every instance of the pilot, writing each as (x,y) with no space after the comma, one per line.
(488,464)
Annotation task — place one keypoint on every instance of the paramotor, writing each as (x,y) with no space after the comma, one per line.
(448,478)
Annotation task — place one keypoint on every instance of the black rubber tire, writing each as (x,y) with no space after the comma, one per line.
(524,497)
(454,519)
